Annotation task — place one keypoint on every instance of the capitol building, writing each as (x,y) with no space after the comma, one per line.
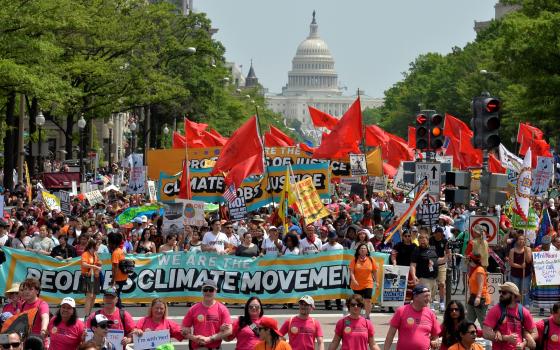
(313,81)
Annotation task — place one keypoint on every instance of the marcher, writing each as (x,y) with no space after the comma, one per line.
(270,336)
(356,332)
(454,314)
(417,325)
(303,330)
(479,298)
(363,275)
(90,277)
(208,322)
(13,341)
(157,320)
(14,301)
(549,329)
(30,290)
(215,240)
(310,244)
(466,337)
(272,245)
(439,243)
(246,327)
(100,328)
(66,330)
(521,262)
(118,277)
(424,262)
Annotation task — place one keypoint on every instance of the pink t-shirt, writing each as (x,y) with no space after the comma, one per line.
(206,321)
(11,308)
(510,325)
(302,333)
(147,324)
(65,337)
(354,333)
(116,317)
(43,309)
(246,338)
(553,341)
(415,327)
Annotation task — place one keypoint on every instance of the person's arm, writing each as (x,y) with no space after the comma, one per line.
(413,273)
(353,277)
(153,247)
(528,255)
(372,344)
(480,281)
(389,338)
(334,343)
(394,257)
(320,343)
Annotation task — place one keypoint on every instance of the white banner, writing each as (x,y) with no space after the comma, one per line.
(137,180)
(151,339)
(395,280)
(547,268)
(542,176)
(152,193)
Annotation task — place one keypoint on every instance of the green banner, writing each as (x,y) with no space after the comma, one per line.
(133,212)
(179,276)
(532,222)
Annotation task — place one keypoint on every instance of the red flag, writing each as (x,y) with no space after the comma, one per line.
(345,137)
(397,150)
(218,137)
(454,126)
(494,165)
(322,119)
(375,136)
(178,140)
(305,147)
(530,136)
(209,139)
(194,130)
(185,189)
(242,155)
(389,170)
(411,137)
(472,157)
(528,132)
(279,134)
(271,140)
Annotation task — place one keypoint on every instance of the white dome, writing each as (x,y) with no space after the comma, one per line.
(313,47)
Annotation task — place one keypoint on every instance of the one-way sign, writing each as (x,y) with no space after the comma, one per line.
(431,172)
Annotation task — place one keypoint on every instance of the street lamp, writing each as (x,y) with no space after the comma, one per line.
(132,128)
(165,133)
(110,125)
(81,127)
(40,121)
(191,49)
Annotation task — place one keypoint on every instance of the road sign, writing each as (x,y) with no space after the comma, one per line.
(491,225)
(431,172)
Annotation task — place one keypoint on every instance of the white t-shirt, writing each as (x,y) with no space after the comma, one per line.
(234,240)
(4,239)
(286,251)
(270,248)
(327,247)
(310,248)
(218,241)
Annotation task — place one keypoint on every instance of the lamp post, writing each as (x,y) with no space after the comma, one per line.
(165,133)
(132,128)
(110,125)
(40,121)
(81,126)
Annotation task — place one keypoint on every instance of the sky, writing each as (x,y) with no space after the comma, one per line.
(373,42)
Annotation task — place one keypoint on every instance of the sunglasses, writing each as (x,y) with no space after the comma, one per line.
(103,325)
(208,290)
(453,309)
(356,305)
(10,345)
(254,307)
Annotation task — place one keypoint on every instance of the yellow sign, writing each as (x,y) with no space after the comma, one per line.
(309,202)
(374,163)
(51,201)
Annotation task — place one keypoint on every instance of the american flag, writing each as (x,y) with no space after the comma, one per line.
(230,194)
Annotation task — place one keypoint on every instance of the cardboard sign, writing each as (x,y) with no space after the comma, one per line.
(395,279)
(151,339)
(358,165)
(547,268)
(542,176)
(152,193)
(137,180)
(65,205)
(237,209)
(378,183)
(494,281)
(114,336)
(94,197)
(428,213)
(193,212)
(173,222)
(432,173)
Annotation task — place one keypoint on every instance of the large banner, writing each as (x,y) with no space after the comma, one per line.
(178,277)
(169,161)
(257,191)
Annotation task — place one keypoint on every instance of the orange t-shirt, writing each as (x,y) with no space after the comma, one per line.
(281,345)
(116,257)
(363,271)
(473,283)
(91,260)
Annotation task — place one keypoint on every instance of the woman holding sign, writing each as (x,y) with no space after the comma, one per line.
(157,321)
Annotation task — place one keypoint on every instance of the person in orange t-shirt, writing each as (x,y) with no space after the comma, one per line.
(91,267)
(270,336)
(363,275)
(118,278)
(479,299)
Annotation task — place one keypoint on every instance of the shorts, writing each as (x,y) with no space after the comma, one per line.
(431,284)
(441,273)
(365,293)
(91,286)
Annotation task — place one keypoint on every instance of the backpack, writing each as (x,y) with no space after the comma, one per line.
(542,342)
(121,316)
(127,266)
(504,314)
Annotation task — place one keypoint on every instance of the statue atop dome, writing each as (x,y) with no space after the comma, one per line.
(313,21)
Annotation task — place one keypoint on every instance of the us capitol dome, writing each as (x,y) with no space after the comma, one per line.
(313,81)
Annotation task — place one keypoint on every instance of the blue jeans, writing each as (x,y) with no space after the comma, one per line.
(523,288)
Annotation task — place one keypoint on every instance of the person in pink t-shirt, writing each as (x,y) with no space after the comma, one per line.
(302,329)
(510,334)
(355,331)
(417,325)
(552,341)
(246,327)
(66,331)
(30,289)
(157,320)
(207,323)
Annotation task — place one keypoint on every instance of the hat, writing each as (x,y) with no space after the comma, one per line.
(273,228)
(439,229)
(69,301)
(144,218)
(332,235)
(110,291)
(257,218)
(447,219)
(475,257)
(14,288)
(509,287)
(308,300)
(209,283)
(419,289)
(100,319)
(137,220)
(379,227)
(4,223)
(270,323)
(546,240)
(478,229)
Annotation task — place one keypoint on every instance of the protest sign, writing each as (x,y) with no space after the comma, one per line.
(130,213)
(428,213)
(398,182)
(378,183)
(358,165)
(51,201)
(193,212)
(350,180)
(237,209)
(137,179)
(65,205)
(494,281)
(395,279)
(547,268)
(400,208)
(542,176)
(151,339)
(114,336)
(94,197)
(532,222)
(152,193)
(178,276)
(173,221)
(74,188)
(309,202)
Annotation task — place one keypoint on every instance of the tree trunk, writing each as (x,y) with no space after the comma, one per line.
(68,136)
(10,140)
(33,111)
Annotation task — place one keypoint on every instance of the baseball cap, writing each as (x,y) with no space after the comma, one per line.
(144,218)
(308,300)
(110,291)
(273,228)
(3,223)
(68,301)
(332,234)
(419,289)
(438,229)
(210,283)
(100,319)
(270,323)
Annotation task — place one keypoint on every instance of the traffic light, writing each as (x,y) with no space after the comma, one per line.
(486,122)
(436,131)
(461,183)
(493,189)
(422,132)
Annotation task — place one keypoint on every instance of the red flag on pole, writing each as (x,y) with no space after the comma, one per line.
(412,137)
(185,188)
(322,119)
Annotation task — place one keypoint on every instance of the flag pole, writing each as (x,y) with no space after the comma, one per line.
(516,149)
(187,166)
(259,130)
